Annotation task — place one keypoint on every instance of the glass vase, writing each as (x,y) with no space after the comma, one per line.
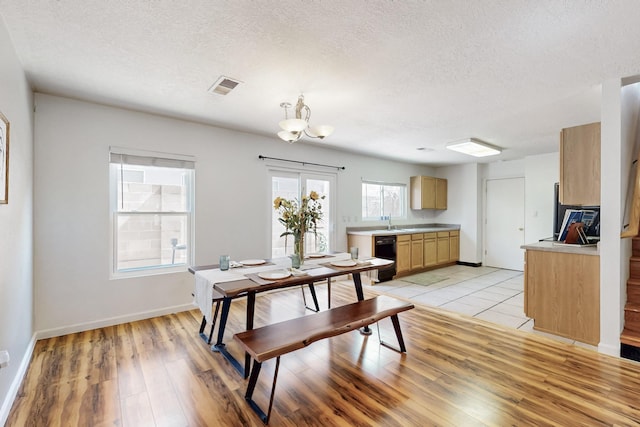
(298,246)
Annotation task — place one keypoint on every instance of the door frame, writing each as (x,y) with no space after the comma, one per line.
(304,174)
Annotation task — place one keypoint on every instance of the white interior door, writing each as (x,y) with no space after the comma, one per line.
(504,224)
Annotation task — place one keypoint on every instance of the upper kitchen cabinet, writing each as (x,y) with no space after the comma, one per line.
(428,192)
(580,165)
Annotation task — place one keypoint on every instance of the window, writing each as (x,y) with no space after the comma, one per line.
(382,200)
(151,211)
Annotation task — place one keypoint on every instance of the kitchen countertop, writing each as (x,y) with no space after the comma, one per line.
(408,229)
(549,246)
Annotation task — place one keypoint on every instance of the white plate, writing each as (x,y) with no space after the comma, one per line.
(252,262)
(345,263)
(274,275)
(316,255)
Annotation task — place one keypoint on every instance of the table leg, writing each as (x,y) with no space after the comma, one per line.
(226,305)
(357,281)
(219,346)
(251,307)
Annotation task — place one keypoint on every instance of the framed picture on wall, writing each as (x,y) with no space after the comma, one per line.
(4,159)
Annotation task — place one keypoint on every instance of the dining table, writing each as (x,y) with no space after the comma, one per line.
(250,278)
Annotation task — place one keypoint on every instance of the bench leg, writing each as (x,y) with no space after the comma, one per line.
(396,327)
(253,380)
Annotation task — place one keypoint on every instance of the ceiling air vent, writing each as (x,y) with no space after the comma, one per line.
(224,85)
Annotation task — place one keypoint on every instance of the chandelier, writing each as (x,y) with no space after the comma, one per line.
(294,129)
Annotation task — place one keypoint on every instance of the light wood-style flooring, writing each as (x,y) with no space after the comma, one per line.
(458,371)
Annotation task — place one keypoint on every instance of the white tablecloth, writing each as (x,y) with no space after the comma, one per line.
(204,279)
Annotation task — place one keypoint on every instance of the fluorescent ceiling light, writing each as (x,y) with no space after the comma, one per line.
(474,147)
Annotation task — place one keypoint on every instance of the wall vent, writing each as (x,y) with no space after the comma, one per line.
(224,85)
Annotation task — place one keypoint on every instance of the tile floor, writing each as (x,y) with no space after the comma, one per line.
(488,293)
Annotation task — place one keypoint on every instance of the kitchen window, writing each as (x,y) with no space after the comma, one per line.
(381,200)
(152,198)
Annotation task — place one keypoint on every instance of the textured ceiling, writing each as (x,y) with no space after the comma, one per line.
(391,76)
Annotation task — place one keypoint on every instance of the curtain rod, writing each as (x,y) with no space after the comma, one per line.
(261,157)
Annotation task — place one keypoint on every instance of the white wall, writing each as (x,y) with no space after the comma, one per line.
(541,173)
(16,251)
(464,207)
(613,271)
(621,112)
(233,206)
(466,198)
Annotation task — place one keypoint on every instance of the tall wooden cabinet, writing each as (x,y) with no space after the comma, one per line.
(428,192)
(580,165)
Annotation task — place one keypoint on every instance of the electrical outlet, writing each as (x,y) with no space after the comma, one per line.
(4,359)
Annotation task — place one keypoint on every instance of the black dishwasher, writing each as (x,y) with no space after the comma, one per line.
(385,248)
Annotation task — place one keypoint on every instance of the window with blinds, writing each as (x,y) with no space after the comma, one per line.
(152,205)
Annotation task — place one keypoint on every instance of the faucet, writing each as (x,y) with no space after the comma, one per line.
(389,225)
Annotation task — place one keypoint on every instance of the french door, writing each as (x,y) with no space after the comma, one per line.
(293,185)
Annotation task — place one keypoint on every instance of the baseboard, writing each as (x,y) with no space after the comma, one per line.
(469,264)
(610,349)
(17,381)
(81,327)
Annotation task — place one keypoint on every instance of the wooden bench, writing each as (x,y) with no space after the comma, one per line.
(277,339)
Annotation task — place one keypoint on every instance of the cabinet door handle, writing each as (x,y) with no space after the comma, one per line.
(520,229)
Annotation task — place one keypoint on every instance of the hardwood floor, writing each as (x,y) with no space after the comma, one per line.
(457,371)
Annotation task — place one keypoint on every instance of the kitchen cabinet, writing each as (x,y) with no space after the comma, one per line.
(444,247)
(430,249)
(427,192)
(562,291)
(580,165)
(417,250)
(454,245)
(403,253)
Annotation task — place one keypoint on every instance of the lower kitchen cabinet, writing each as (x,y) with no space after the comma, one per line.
(562,291)
(403,253)
(444,247)
(417,250)
(454,245)
(430,249)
